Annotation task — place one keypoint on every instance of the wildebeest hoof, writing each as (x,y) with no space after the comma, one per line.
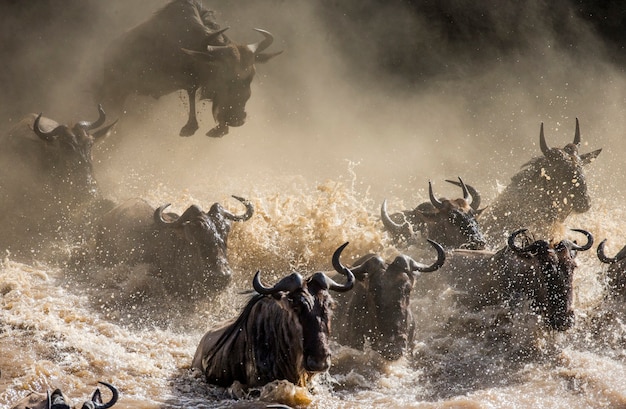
(188,130)
(219,131)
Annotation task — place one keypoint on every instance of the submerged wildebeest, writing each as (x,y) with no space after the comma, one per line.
(282,332)
(57,400)
(539,271)
(616,273)
(188,252)
(545,192)
(182,47)
(47,183)
(451,223)
(378,310)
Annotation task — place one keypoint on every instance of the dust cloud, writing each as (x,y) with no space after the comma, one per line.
(383,94)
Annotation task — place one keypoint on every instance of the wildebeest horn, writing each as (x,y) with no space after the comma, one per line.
(46,136)
(542,141)
(340,268)
(577,134)
(186,216)
(246,216)
(262,45)
(289,284)
(96,398)
(609,260)
(475,196)
(394,227)
(584,247)
(96,124)
(435,202)
(441,258)
(216,34)
(529,248)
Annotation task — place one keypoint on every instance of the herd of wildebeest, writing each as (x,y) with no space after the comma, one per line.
(488,255)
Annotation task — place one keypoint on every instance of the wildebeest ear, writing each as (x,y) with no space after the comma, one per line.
(265,57)
(587,158)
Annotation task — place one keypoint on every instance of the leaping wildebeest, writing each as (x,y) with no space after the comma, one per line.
(282,332)
(47,182)
(57,400)
(182,47)
(545,192)
(450,222)
(616,272)
(378,310)
(539,271)
(188,252)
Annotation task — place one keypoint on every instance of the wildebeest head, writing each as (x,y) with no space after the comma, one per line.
(231,68)
(311,303)
(552,287)
(70,150)
(616,272)
(559,175)
(202,246)
(57,400)
(389,286)
(450,222)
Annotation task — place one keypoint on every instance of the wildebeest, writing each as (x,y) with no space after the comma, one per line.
(547,190)
(188,252)
(281,333)
(378,310)
(616,273)
(540,271)
(47,183)
(451,223)
(182,47)
(57,400)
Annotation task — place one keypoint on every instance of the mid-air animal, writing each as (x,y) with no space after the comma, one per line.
(544,193)
(282,332)
(47,182)
(57,400)
(616,272)
(182,47)
(378,310)
(450,222)
(540,271)
(188,252)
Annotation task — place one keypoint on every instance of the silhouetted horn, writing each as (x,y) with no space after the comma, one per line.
(246,216)
(524,250)
(475,196)
(577,134)
(340,268)
(542,141)
(96,398)
(262,45)
(441,258)
(584,247)
(435,202)
(191,211)
(389,224)
(216,34)
(46,136)
(97,123)
(289,284)
(604,258)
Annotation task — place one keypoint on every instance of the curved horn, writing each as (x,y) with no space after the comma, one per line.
(289,284)
(262,45)
(97,123)
(340,268)
(542,141)
(114,397)
(602,255)
(476,198)
(216,34)
(46,136)
(186,216)
(435,202)
(389,224)
(520,250)
(577,134)
(246,216)
(441,258)
(586,246)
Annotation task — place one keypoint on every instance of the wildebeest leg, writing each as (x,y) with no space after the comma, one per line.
(218,131)
(192,123)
